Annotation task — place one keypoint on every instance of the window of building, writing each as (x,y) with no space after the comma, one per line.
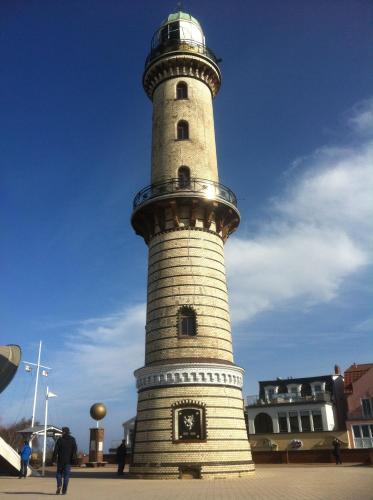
(263,423)
(317,388)
(182,130)
(181,90)
(187,322)
(365,431)
(366,405)
(294,423)
(305,421)
(270,393)
(183,175)
(363,436)
(356,430)
(282,422)
(306,389)
(317,420)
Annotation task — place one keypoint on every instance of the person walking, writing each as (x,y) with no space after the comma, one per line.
(64,454)
(337,451)
(25,457)
(121,457)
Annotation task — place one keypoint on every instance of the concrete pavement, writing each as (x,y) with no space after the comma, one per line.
(306,482)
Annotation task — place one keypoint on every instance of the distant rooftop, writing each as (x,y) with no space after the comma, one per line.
(354,372)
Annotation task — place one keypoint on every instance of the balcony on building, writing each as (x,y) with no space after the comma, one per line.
(286,398)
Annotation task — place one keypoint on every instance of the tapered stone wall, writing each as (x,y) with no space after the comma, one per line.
(190,418)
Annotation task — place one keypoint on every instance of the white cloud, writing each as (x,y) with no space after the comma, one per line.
(319,232)
(100,356)
(361,118)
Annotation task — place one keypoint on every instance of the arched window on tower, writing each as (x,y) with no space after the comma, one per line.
(183,176)
(182,130)
(181,90)
(187,322)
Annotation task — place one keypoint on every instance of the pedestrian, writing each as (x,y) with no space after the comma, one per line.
(337,451)
(64,454)
(25,457)
(121,457)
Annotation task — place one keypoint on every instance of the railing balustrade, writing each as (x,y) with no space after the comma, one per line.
(282,398)
(173,45)
(201,187)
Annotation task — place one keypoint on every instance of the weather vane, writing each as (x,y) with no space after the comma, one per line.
(179,5)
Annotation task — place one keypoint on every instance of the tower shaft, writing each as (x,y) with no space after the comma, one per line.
(190,419)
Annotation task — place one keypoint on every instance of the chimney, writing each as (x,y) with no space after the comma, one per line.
(337,370)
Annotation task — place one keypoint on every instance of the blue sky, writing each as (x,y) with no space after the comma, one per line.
(294,130)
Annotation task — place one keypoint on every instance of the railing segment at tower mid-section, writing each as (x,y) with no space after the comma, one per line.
(174,45)
(193,187)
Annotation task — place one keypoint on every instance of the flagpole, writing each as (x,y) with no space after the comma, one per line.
(36,387)
(45,432)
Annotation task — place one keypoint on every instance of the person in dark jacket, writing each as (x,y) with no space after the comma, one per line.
(25,457)
(337,451)
(121,457)
(64,454)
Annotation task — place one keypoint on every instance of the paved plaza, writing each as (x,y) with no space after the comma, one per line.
(307,482)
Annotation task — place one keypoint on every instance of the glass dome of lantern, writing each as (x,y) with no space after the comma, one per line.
(179,32)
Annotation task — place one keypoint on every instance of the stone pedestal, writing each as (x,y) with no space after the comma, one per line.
(96,445)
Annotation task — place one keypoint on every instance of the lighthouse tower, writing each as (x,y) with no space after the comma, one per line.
(190,419)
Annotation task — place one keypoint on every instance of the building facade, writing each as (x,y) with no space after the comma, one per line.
(190,419)
(359,396)
(297,413)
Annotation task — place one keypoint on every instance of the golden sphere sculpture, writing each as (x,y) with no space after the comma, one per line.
(98,411)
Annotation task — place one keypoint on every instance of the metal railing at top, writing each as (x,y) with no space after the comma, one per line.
(197,187)
(174,45)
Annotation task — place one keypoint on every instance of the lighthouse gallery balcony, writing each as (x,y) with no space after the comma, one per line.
(192,188)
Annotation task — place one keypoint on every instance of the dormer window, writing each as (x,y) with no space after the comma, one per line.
(317,387)
(181,91)
(270,392)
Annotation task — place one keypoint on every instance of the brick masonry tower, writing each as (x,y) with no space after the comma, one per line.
(190,419)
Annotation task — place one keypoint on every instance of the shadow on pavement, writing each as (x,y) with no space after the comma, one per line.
(26,493)
(91,474)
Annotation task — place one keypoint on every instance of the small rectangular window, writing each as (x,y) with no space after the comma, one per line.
(317,420)
(294,423)
(356,430)
(282,422)
(365,431)
(305,420)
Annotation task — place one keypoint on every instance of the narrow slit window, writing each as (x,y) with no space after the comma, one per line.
(187,322)
(181,90)
(182,130)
